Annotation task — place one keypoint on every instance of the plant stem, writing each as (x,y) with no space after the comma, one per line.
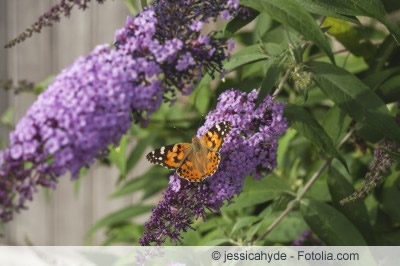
(283,81)
(300,195)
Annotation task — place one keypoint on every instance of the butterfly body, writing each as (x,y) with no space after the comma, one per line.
(193,161)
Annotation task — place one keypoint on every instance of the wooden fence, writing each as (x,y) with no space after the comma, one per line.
(63,218)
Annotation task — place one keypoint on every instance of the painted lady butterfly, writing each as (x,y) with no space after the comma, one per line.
(197,160)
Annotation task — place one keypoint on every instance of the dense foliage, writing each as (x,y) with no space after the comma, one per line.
(315,111)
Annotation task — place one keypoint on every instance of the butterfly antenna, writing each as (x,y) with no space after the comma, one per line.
(181,131)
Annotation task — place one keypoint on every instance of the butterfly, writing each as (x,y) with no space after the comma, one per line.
(197,160)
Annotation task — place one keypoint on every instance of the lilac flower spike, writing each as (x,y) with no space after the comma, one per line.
(249,149)
(92,103)
(63,8)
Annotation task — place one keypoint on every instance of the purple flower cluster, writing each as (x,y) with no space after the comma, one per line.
(249,149)
(92,103)
(53,15)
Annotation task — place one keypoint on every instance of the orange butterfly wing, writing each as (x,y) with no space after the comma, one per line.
(188,165)
(215,137)
(171,156)
(190,172)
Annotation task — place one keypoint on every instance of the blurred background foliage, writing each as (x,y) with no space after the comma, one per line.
(337,66)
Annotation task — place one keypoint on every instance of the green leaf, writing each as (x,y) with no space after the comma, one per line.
(273,69)
(374,9)
(378,78)
(244,222)
(331,226)
(283,146)
(389,91)
(238,22)
(137,152)
(117,155)
(125,233)
(41,86)
(7,118)
(292,14)
(263,24)
(389,196)
(258,191)
(369,8)
(202,100)
(394,155)
(350,62)
(243,58)
(131,5)
(386,50)
(350,38)
(356,99)
(143,3)
(336,123)
(214,242)
(290,228)
(121,215)
(301,120)
(355,211)
(143,182)
(319,7)
(246,56)
(191,238)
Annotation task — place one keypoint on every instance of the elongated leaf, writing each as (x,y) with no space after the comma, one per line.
(246,56)
(394,155)
(292,14)
(336,6)
(119,216)
(238,22)
(336,123)
(350,38)
(375,9)
(143,3)
(273,69)
(287,230)
(331,226)
(321,8)
(378,78)
(142,182)
(258,191)
(41,86)
(244,222)
(301,120)
(137,152)
(7,118)
(284,143)
(263,24)
(124,233)
(390,90)
(369,8)
(117,155)
(355,211)
(389,196)
(131,5)
(355,98)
